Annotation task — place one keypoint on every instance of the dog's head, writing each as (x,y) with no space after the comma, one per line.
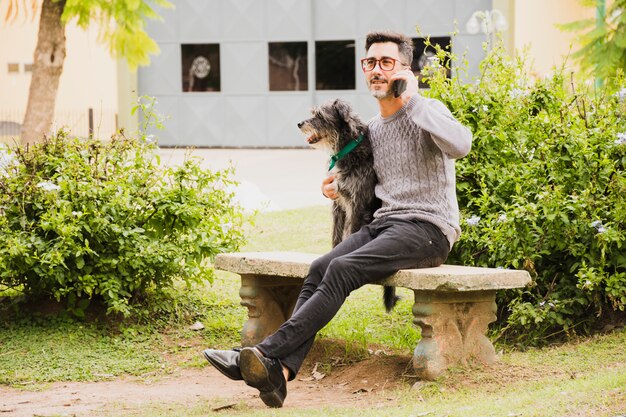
(332,126)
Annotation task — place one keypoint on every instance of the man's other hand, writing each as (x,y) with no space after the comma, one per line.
(329,187)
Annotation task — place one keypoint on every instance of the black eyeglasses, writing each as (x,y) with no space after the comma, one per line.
(386,63)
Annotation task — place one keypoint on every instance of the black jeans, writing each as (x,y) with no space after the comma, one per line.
(376,251)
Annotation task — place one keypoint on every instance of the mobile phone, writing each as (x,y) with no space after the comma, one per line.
(398,87)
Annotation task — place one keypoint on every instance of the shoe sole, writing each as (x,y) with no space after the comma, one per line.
(208,358)
(257,376)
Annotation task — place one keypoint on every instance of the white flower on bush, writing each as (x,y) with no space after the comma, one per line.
(150,139)
(226,227)
(77,213)
(597,224)
(621,94)
(6,160)
(621,138)
(48,186)
(517,93)
(485,108)
(473,221)
(502,218)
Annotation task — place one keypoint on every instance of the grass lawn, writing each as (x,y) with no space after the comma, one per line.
(584,377)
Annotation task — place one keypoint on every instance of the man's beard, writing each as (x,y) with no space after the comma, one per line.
(379,94)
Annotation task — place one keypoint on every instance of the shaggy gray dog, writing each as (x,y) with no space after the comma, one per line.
(332,128)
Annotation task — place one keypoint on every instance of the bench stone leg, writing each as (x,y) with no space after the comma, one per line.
(270,301)
(454,327)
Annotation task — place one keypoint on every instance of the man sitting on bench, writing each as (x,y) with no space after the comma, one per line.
(415,141)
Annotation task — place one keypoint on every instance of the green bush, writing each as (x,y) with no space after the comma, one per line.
(542,189)
(85,218)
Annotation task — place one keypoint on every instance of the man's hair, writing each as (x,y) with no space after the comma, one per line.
(405,44)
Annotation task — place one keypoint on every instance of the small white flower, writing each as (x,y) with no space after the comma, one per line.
(601,229)
(502,218)
(77,213)
(551,304)
(587,283)
(6,160)
(485,108)
(621,138)
(621,94)
(541,304)
(150,139)
(48,186)
(226,227)
(473,221)
(517,93)
(596,224)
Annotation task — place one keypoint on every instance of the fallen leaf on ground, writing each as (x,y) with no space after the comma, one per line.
(358,391)
(224,407)
(196,326)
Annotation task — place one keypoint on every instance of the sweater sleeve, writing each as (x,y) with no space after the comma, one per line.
(454,139)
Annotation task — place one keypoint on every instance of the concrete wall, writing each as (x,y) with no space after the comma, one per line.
(244,112)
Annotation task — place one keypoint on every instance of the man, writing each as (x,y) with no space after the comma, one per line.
(415,141)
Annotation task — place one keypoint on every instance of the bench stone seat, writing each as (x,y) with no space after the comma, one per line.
(453,304)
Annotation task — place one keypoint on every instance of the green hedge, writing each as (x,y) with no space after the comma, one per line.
(542,189)
(85,218)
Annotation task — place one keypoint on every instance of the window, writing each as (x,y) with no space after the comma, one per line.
(288,66)
(201,67)
(13,67)
(28,67)
(423,56)
(334,65)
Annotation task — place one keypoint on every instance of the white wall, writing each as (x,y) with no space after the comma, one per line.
(89,78)
(535,26)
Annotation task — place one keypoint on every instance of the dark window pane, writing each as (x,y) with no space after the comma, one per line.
(334,65)
(288,66)
(423,56)
(201,67)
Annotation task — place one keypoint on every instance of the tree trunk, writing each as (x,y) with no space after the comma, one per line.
(47,69)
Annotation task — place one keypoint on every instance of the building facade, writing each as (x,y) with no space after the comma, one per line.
(244,73)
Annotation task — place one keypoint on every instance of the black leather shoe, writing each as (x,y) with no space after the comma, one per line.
(225,361)
(264,374)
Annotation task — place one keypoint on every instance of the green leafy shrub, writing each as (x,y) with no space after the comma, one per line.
(86,218)
(542,189)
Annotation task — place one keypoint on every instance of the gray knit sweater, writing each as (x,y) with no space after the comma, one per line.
(414,152)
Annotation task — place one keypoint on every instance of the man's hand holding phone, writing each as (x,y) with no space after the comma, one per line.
(404,85)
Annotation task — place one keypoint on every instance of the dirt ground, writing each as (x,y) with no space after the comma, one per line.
(361,384)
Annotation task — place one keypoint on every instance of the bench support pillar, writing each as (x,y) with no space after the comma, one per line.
(270,301)
(454,327)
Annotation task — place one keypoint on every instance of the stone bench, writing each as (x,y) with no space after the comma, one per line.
(453,304)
